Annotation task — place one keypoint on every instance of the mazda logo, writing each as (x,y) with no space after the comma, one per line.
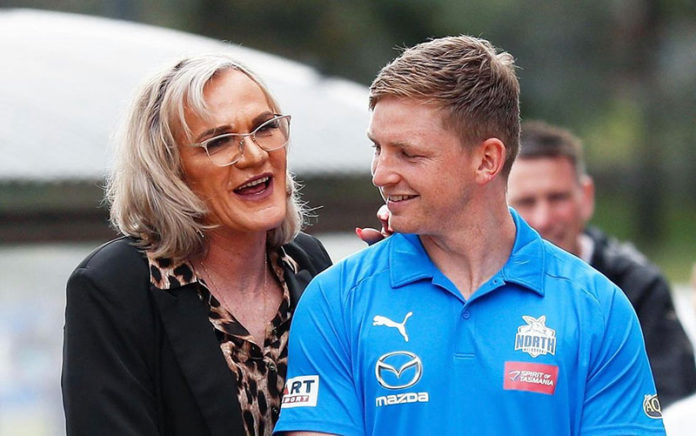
(398,370)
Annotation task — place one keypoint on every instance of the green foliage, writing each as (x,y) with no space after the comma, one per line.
(610,137)
(674,253)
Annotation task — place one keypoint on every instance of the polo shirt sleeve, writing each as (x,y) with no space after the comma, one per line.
(620,396)
(319,393)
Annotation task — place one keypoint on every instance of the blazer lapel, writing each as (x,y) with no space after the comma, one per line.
(302,259)
(185,320)
(297,282)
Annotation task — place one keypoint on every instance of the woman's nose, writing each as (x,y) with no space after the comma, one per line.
(252,153)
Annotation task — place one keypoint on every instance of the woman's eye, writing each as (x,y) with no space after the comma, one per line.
(219,142)
(267,128)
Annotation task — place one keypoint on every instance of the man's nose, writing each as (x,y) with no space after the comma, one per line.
(383,173)
(541,217)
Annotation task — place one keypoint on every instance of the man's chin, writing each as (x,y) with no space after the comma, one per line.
(400,226)
(397,226)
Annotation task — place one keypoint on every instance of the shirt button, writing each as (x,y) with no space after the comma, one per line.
(272,366)
(275,410)
(466,314)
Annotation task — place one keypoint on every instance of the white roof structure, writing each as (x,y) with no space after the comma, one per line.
(65,81)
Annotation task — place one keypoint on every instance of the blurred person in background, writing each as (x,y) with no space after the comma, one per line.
(550,188)
(180,327)
(464,321)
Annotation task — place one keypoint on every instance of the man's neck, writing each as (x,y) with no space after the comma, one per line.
(474,252)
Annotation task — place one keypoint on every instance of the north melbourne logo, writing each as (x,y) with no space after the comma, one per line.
(535,338)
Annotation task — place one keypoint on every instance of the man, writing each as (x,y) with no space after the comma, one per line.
(550,189)
(464,321)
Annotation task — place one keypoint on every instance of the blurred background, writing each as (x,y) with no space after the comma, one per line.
(621,74)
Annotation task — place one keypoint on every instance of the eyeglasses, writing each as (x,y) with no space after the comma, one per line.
(227,149)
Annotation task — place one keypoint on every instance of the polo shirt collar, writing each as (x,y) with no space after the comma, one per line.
(409,262)
(527,261)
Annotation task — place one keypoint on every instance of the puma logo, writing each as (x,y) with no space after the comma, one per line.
(400,326)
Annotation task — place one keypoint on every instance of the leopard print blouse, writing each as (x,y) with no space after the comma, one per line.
(259,372)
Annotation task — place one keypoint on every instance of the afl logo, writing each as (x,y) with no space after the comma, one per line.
(398,370)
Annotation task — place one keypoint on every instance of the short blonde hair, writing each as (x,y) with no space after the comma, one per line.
(463,75)
(148,197)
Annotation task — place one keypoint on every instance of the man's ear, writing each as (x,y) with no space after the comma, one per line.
(490,159)
(588,197)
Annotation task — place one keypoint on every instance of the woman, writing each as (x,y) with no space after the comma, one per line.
(181,326)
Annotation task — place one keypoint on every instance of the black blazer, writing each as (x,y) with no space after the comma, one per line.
(141,361)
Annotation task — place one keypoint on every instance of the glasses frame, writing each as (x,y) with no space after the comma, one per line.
(240,140)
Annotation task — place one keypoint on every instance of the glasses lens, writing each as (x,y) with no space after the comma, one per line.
(223,149)
(227,149)
(273,134)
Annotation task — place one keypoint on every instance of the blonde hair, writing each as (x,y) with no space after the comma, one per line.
(463,75)
(148,197)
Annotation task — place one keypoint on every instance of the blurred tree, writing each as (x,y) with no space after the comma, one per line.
(635,45)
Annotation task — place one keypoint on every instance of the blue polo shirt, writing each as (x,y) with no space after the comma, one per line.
(383,343)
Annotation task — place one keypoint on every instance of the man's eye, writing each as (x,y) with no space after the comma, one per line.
(523,203)
(559,197)
(377,149)
(409,154)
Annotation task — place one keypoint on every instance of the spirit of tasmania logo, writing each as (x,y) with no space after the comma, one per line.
(531,377)
(535,338)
